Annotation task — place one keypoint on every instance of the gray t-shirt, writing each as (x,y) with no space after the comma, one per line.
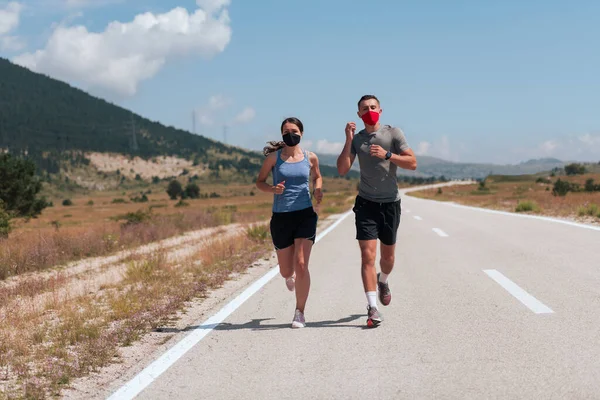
(378,181)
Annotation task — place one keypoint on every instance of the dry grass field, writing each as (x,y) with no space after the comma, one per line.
(528,194)
(84,279)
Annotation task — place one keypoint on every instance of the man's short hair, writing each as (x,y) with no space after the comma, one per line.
(368,97)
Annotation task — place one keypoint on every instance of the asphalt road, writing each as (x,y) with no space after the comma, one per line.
(484,305)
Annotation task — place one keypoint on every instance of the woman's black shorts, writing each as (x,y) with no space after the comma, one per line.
(287,226)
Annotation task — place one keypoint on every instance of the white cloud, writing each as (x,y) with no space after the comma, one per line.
(9,21)
(582,147)
(11,43)
(9,17)
(423,148)
(548,147)
(212,5)
(125,54)
(245,116)
(206,113)
(323,146)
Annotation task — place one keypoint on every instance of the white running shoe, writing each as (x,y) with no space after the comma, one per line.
(298,321)
(291,283)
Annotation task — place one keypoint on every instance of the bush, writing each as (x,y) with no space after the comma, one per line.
(90,203)
(67,202)
(182,203)
(174,190)
(527,205)
(575,169)
(192,191)
(5,226)
(137,217)
(119,200)
(258,233)
(140,199)
(592,210)
(19,187)
(561,188)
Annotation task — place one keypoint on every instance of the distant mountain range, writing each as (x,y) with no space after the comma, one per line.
(436,167)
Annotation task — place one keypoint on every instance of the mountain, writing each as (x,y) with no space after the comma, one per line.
(435,167)
(53,123)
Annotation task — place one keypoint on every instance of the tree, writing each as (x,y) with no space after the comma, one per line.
(561,188)
(575,169)
(589,185)
(5,227)
(192,191)
(19,187)
(174,189)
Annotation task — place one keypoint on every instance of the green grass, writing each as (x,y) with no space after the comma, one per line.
(591,210)
(527,205)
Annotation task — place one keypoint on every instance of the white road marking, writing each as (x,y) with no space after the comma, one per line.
(407,211)
(418,218)
(161,364)
(440,232)
(528,300)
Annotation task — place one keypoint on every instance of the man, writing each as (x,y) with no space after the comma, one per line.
(381,150)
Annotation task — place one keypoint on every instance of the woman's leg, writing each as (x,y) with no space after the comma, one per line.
(301,259)
(285,258)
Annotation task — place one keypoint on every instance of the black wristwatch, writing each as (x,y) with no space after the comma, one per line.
(388,155)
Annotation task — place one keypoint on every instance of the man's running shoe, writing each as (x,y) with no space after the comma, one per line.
(385,295)
(298,321)
(373,317)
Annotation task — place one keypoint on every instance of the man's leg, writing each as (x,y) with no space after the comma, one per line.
(387,237)
(366,234)
(386,262)
(368,253)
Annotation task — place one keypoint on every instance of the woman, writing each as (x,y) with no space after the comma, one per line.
(294,220)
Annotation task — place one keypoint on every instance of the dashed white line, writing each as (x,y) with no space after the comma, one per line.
(440,232)
(418,218)
(138,383)
(528,300)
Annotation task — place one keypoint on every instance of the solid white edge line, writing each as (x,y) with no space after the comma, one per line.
(440,232)
(418,218)
(144,378)
(528,300)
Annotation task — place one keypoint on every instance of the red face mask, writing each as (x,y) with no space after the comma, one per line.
(370,118)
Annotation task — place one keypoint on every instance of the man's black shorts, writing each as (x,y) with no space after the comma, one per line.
(376,220)
(287,226)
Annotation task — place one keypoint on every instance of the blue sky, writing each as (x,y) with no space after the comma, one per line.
(467,81)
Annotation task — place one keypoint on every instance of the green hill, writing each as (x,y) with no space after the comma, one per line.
(54,123)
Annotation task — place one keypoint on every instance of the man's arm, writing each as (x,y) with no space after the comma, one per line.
(406,159)
(346,158)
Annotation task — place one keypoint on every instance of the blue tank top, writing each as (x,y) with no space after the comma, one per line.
(296,195)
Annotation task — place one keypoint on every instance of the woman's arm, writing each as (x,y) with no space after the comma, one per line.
(261,180)
(316,177)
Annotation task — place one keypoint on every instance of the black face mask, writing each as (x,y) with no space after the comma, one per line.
(291,139)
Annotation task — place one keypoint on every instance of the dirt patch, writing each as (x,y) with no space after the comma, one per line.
(162,166)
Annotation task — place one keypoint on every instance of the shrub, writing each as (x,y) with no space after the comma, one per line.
(174,190)
(67,202)
(561,188)
(527,205)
